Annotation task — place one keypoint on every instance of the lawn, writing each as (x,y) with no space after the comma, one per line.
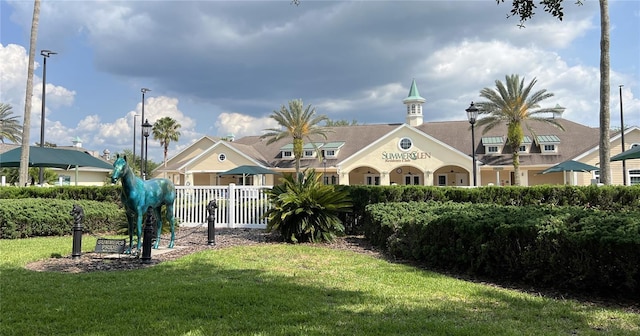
(275,290)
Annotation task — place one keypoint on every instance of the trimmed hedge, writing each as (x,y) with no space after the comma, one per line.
(101,194)
(614,198)
(32,217)
(565,247)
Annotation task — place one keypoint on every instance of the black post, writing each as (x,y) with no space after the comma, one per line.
(147,239)
(45,54)
(78,216)
(624,162)
(211,222)
(473,153)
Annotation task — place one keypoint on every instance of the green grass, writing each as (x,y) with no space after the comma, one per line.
(275,290)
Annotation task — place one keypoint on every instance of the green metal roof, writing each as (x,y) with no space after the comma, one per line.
(547,139)
(286,147)
(333,145)
(493,140)
(313,145)
(526,140)
(414,94)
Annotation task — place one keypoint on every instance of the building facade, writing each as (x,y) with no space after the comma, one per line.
(410,153)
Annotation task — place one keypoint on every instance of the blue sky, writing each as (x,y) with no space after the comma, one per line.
(221,67)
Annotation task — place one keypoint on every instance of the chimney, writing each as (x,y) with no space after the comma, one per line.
(558,114)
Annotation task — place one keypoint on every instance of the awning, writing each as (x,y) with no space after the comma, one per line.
(633,153)
(51,157)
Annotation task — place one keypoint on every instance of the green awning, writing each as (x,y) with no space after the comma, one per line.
(633,153)
(52,157)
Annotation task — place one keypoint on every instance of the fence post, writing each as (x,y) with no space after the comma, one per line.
(231,205)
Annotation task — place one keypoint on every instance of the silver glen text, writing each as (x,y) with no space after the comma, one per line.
(405,157)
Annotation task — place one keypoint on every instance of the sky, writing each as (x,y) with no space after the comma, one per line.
(222,67)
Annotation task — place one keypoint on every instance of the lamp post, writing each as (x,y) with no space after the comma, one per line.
(133,161)
(624,163)
(142,155)
(325,179)
(146,128)
(45,53)
(472,115)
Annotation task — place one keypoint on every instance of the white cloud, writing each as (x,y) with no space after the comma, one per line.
(242,125)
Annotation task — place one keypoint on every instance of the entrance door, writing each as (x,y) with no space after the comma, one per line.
(462,179)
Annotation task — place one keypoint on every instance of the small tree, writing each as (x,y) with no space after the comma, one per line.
(305,210)
(10,128)
(298,123)
(513,105)
(166,130)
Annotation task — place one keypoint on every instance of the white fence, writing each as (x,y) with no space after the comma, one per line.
(238,206)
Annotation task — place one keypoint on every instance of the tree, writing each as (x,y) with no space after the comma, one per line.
(166,130)
(525,10)
(340,123)
(514,105)
(10,128)
(298,123)
(26,125)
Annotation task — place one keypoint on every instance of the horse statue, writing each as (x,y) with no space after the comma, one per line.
(138,195)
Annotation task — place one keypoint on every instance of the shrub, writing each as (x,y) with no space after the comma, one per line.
(305,210)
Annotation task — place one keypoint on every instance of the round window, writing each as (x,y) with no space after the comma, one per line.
(222,157)
(405,144)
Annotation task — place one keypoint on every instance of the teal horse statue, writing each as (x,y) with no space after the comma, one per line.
(138,195)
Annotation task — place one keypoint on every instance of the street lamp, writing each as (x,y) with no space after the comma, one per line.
(624,163)
(142,167)
(146,128)
(472,114)
(324,175)
(133,161)
(45,53)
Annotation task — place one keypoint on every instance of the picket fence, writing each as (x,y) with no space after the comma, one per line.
(238,206)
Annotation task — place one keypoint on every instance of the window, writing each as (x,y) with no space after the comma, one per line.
(634,145)
(549,148)
(596,176)
(522,149)
(634,177)
(330,153)
(492,149)
(412,180)
(442,180)
(287,154)
(309,153)
(222,157)
(413,108)
(405,144)
(372,180)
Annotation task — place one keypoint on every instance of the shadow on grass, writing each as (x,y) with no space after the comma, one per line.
(198,296)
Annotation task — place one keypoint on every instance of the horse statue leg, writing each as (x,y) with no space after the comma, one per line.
(156,212)
(130,221)
(139,214)
(172,221)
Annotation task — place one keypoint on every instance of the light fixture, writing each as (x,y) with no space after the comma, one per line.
(45,53)
(142,167)
(146,128)
(472,115)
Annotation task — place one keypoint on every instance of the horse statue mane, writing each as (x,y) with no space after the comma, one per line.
(138,195)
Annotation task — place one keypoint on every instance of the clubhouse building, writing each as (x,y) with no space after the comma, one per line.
(412,152)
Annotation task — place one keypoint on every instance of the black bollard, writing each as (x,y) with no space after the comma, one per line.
(78,215)
(211,222)
(147,239)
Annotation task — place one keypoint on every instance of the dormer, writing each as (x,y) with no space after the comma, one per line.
(286,151)
(330,149)
(493,145)
(310,150)
(525,145)
(548,144)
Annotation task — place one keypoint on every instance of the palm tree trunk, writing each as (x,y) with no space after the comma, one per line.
(605,116)
(26,126)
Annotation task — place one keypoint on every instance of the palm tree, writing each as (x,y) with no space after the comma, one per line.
(26,125)
(513,105)
(298,123)
(10,128)
(166,130)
